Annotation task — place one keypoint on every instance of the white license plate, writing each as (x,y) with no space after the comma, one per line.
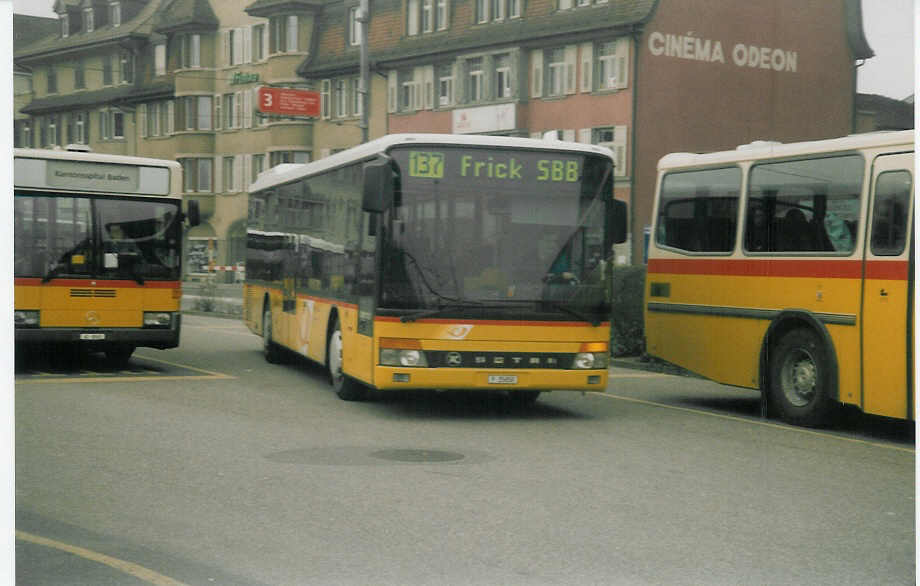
(92,336)
(502,379)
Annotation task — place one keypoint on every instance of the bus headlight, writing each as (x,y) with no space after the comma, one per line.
(398,357)
(157,319)
(590,360)
(26,318)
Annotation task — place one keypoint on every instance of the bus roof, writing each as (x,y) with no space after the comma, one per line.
(291,172)
(767,150)
(91,157)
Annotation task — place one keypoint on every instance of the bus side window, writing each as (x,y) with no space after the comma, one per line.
(889,216)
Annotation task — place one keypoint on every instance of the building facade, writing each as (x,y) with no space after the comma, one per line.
(180,79)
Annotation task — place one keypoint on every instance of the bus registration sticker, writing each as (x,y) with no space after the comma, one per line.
(92,336)
(503,379)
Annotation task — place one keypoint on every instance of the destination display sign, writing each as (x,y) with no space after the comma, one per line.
(495,166)
(91,176)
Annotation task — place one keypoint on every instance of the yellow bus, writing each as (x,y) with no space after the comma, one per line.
(789,268)
(439,262)
(98,246)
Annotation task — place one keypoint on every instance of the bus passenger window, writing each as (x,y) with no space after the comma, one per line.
(889,217)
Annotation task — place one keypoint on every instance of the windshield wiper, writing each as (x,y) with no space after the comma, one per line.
(51,274)
(594,321)
(459,304)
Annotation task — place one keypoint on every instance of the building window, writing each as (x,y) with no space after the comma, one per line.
(339,96)
(514,8)
(441,15)
(426,16)
(79,75)
(445,85)
(234,46)
(189,51)
(228,177)
(126,61)
(497,8)
(474,79)
(111,124)
(65,26)
(196,173)
(115,13)
(612,64)
(258,165)
(258,42)
(555,79)
(193,113)
(106,70)
(279,157)
(325,98)
(159,59)
(52,136)
(78,133)
(482,11)
(284,33)
(354,27)
(52,80)
(88,20)
(153,119)
(409,91)
(357,107)
(503,76)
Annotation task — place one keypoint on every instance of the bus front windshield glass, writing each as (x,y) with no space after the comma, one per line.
(475,230)
(110,238)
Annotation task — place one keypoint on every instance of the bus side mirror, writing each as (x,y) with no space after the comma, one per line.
(616,223)
(194,213)
(378,186)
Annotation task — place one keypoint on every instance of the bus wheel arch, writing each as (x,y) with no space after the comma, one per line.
(270,349)
(799,369)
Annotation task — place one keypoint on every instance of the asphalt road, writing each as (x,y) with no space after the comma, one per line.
(206,465)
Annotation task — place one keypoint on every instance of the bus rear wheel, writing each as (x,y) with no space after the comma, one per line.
(119,356)
(346,388)
(523,397)
(270,349)
(800,379)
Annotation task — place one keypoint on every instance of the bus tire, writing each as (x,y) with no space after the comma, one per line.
(119,356)
(270,349)
(347,388)
(800,379)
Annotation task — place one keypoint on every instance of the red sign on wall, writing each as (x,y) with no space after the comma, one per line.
(288,101)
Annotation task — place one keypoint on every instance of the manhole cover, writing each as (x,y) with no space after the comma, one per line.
(417,455)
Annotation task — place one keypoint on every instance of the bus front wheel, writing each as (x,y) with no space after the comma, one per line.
(119,355)
(270,349)
(345,387)
(799,379)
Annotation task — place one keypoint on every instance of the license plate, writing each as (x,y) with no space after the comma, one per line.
(92,336)
(503,379)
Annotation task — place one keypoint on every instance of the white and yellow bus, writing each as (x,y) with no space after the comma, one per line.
(438,261)
(98,247)
(789,268)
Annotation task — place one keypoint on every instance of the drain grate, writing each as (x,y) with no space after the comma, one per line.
(417,455)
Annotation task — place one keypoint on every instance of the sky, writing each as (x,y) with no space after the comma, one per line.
(888,24)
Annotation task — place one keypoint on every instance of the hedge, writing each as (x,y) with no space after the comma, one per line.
(627,322)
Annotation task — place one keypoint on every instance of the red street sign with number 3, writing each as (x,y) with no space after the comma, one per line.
(288,101)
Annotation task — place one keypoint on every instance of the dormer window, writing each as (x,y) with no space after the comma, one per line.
(65,26)
(88,19)
(115,13)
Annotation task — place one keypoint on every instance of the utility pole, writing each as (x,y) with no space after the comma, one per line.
(363,18)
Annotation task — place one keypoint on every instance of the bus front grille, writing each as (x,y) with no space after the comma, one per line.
(85,293)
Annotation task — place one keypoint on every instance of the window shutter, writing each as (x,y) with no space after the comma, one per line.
(571,59)
(171,116)
(326,99)
(622,51)
(536,73)
(246,172)
(587,66)
(238,173)
(217,172)
(246,34)
(265,45)
(238,110)
(247,108)
(428,76)
(584,135)
(293,32)
(142,119)
(225,47)
(565,4)
(392,91)
(218,119)
(619,149)
(238,50)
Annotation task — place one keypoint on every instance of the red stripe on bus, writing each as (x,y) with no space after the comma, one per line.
(887,270)
(831,269)
(490,322)
(37,282)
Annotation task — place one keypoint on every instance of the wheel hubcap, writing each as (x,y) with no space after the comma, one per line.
(799,378)
(335,356)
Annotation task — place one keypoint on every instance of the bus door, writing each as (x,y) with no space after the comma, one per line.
(886,322)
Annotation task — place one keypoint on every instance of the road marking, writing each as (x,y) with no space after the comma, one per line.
(132,569)
(207,375)
(638,375)
(755,422)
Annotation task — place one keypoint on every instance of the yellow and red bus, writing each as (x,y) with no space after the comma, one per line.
(439,262)
(789,268)
(98,247)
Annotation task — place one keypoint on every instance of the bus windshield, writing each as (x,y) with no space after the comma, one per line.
(105,238)
(474,229)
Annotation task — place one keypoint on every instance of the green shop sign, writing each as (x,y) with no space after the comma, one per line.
(241,78)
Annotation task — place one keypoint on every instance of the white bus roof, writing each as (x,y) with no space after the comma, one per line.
(91,157)
(766,150)
(290,172)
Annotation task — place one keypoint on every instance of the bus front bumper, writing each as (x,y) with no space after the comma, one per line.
(391,377)
(101,337)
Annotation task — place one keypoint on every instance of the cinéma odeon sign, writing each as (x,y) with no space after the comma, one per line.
(689,46)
